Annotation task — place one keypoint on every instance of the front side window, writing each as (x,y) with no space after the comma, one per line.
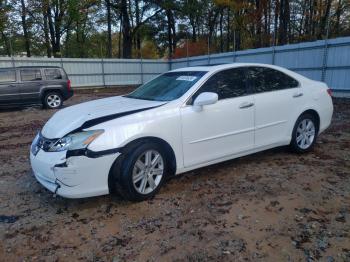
(53,74)
(167,87)
(227,84)
(267,79)
(7,76)
(30,75)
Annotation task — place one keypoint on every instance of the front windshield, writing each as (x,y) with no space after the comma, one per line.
(167,87)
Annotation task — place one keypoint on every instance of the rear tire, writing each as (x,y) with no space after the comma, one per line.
(53,100)
(304,134)
(139,173)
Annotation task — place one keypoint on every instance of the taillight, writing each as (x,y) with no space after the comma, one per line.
(329,91)
(68,85)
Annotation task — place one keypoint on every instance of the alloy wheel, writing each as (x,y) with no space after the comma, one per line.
(305,133)
(148,172)
(53,100)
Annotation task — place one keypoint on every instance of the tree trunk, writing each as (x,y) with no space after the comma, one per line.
(46,30)
(228,36)
(55,34)
(266,23)
(284,21)
(194,32)
(258,23)
(237,40)
(25,27)
(7,44)
(277,7)
(109,29)
(127,38)
(173,29)
(221,30)
(313,14)
(212,18)
(170,39)
(338,14)
(324,20)
(120,38)
(303,19)
(138,21)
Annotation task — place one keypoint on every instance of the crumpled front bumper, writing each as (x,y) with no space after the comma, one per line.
(75,177)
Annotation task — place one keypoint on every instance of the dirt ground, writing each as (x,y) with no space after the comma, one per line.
(271,206)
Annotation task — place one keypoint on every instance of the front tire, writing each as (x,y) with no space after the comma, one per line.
(304,133)
(139,173)
(53,100)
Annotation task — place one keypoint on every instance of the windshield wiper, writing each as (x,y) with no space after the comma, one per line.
(143,98)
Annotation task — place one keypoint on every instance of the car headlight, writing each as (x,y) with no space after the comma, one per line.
(75,141)
(35,147)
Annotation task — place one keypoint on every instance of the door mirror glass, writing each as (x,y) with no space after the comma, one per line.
(205,98)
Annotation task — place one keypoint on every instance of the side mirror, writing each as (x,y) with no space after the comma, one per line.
(205,98)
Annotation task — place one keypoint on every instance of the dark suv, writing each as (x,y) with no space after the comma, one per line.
(46,85)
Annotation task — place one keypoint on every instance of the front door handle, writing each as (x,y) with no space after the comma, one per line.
(297,95)
(246,105)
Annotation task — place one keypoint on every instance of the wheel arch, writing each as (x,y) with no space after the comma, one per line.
(134,143)
(315,114)
(44,91)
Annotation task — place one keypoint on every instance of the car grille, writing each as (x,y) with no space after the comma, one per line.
(45,143)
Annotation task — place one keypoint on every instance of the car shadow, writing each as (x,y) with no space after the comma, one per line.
(187,178)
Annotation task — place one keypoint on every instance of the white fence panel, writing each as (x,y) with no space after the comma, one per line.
(327,61)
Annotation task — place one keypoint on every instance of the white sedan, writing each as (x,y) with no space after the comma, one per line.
(181,120)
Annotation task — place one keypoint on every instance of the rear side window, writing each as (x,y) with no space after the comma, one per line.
(31,75)
(7,76)
(267,79)
(53,74)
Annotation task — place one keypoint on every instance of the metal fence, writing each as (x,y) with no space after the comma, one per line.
(85,72)
(324,60)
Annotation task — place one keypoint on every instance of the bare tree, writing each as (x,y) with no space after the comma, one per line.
(109,28)
(25,27)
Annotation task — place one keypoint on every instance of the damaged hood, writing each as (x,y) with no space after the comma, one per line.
(91,113)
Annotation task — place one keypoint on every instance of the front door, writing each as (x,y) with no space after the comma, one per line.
(221,129)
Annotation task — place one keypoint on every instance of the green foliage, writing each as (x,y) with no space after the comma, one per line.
(159,28)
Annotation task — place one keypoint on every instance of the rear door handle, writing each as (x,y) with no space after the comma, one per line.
(297,95)
(246,105)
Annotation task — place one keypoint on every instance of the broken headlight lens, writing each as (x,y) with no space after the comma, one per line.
(75,141)
(35,147)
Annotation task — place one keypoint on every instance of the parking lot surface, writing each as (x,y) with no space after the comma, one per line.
(270,206)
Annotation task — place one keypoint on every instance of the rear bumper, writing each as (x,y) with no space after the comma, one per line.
(326,113)
(68,94)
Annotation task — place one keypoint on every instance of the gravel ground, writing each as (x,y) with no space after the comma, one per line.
(270,206)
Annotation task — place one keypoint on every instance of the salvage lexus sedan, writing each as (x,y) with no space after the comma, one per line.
(181,120)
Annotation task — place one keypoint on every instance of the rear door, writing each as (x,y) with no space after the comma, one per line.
(31,83)
(56,78)
(9,91)
(277,100)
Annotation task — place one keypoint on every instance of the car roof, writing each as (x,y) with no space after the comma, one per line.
(216,67)
(27,67)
